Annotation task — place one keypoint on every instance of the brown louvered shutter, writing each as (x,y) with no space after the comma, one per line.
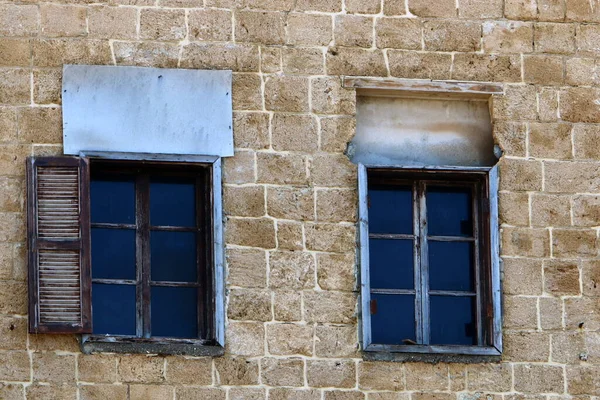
(58,230)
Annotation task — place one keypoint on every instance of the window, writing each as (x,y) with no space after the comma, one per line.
(429,261)
(127,253)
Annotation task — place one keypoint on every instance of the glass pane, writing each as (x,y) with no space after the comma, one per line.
(451,266)
(394,321)
(113,201)
(173,256)
(174,312)
(113,253)
(453,320)
(449,211)
(113,309)
(391,264)
(173,203)
(390,210)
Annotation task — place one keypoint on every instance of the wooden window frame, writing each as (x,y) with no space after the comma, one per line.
(488,283)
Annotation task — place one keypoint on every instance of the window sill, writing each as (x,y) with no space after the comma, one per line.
(110,344)
(433,354)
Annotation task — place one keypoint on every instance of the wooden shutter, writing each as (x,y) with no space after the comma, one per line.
(58,230)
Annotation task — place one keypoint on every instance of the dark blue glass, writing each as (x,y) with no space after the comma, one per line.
(394,321)
(114,309)
(173,203)
(173,256)
(113,253)
(449,211)
(390,210)
(174,312)
(451,266)
(391,264)
(113,201)
(452,320)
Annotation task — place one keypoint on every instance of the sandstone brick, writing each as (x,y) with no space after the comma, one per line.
(451,35)
(51,392)
(291,203)
(586,141)
(286,93)
(245,339)
(249,305)
(210,25)
(511,137)
(424,8)
(551,313)
(508,37)
(329,97)
(237,57)
(543,70)
(13,297)
(63,20)
(413,65)
(574,243)
(294,394)
(309,29)
(336,133)
(353,31)
(380,376)
(571,177)
(246,268)
(12,194)
(550,140)
(244,201)
(333,170)
(56,52)
(14,86)
(554,38)
(526,346)
(394,7)
(236,371)
(567,346)
(157,24)
(561,278)
(97,368)
(582,313)
(291,270)
(47,86)
(40,125)
(586,210)
(281,169)
(525,242)
(270,59)
(261,27)
(355,61)
(421,376)
(15,52)
(247,394)
(12,227)
(432,396)
(550,210)
(289,236)
(292,132)
(282,372)
(343,395)
(8,126)
(6,261)
(522,276)
(189,371)
(112,22)
(398,33)
(329,307)
(330,237)
(583,379)
(336,205)
(251,130)
(19,262)
(582,11)
(519,103)
(277,5)
(520,9)
(287,305)
(19,19)
(587,38)
(290,339)
(490,377)
(303,61)
(240,168)
(591,277)
(480,9)
(487,67)
(53,368)
(513,208)
(363,6)
(150,392)
(331,6)
(141,368)
(101,392)
(520,175)
(520,312)
(11,391)
(15,366)
(247,92)
(339,374)
(532,378)
(146,54)
(251,232)
(336,272)
(195,393)
(336,341)
(551,10)
(49,342)
(548,105)
(387,396)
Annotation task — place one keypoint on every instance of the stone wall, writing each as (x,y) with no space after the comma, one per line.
(290,193)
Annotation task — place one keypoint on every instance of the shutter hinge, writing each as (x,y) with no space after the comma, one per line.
(373,305)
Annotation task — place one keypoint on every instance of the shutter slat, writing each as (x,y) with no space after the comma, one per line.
(58,230)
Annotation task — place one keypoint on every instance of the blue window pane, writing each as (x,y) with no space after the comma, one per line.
(174,312)
(113,201)
(390,210)
(114,309)
(449,211)
(173,256)
(451,266)
(453,320)
(173,203)
(113,253)
(394,321)
(391,264)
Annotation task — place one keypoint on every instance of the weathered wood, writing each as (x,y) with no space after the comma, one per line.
(218,262)
(363,237)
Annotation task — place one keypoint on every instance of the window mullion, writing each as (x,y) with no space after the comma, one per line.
(143,253)
(477,258)
(424,263)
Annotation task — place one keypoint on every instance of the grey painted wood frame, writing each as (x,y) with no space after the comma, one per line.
(490,351)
